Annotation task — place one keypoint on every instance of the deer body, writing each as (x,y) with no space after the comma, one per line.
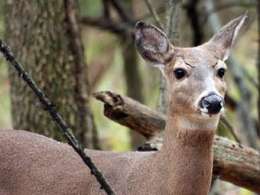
(34,164)
(49,167)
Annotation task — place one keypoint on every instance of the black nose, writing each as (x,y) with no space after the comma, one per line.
(213,103)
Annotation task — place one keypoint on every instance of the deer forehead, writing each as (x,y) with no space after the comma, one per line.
(196,56)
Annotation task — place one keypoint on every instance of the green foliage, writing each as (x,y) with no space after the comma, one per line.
(90,7)
(5,108)
(115,135)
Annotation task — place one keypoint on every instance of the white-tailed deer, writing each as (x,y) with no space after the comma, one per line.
(32,164)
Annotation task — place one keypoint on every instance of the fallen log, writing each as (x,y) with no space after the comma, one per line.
(233,162)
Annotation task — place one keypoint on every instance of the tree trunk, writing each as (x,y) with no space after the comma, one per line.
(45,37)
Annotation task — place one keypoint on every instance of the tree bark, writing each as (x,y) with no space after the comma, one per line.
(235,163)
(45,37)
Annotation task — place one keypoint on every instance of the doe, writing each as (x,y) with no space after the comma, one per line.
(37,165)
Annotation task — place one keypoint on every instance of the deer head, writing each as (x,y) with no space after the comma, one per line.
(195,76)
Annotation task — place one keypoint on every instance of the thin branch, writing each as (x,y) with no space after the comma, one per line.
(122,12)
(153,13)
(249,77)
(159,10)
(117,28)
(56,117)
(98,69)
(232,162)
(109,25)
(230,128)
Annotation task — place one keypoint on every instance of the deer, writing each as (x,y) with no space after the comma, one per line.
(34,164)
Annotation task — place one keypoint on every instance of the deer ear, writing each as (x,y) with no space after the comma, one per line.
(153,44)
(223,40)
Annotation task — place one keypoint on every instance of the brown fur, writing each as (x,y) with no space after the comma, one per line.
(34,164)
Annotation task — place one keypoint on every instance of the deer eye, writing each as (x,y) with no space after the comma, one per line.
(221,72)
(180,73)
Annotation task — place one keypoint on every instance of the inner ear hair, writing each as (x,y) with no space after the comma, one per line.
(153,44)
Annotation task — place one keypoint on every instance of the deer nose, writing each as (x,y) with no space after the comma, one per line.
(212,103)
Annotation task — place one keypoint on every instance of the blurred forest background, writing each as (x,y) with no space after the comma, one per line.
(75,48)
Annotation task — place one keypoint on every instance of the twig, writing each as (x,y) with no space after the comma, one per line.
(230,128)
(121,12)
(249,77)
(159,10)
(117,28)
(154,13)
(109,25)
(49,106)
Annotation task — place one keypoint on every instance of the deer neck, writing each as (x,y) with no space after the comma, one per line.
(185,160)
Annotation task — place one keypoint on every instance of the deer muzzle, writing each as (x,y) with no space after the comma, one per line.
(211,104)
